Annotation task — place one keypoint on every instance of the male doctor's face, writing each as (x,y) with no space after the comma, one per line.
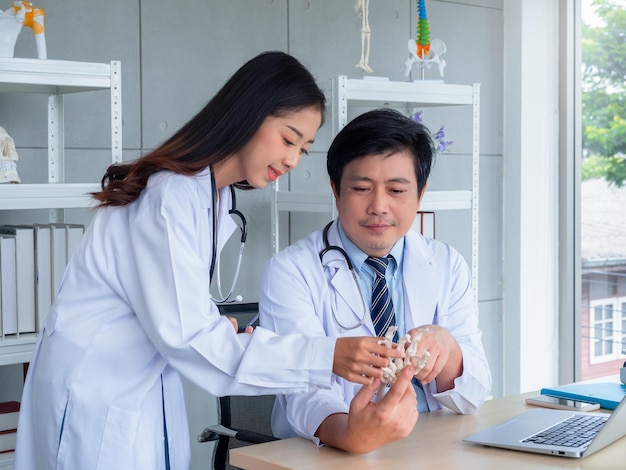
(378,200)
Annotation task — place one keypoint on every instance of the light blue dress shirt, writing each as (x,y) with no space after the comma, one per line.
(366,275)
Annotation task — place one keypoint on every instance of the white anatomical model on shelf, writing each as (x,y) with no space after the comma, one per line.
(8,159)
(21,14)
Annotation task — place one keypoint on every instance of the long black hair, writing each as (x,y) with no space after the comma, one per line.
(271,84)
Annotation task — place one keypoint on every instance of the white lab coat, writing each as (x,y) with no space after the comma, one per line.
(299,294)
(132,312)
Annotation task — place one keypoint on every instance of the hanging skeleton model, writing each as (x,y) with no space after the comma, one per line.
(366,33)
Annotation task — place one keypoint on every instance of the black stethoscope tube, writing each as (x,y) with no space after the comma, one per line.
(243,228)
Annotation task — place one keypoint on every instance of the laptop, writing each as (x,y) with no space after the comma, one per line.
(556,432)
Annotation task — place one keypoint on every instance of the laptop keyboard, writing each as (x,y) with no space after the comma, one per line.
(573,432)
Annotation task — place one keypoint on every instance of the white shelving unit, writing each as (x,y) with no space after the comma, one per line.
(57,78)
(54,78)
(372,93)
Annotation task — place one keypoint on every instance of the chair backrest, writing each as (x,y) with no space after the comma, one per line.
(242,421)
(250,415)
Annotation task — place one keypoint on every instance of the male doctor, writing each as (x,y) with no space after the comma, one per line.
(378,165)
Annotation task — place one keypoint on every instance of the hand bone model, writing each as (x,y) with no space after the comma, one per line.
(409,345)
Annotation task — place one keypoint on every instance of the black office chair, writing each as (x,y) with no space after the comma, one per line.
(241,420)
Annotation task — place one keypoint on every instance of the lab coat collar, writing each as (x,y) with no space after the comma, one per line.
(422,278)
(225,224)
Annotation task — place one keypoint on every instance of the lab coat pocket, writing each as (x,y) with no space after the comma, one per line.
(118,439)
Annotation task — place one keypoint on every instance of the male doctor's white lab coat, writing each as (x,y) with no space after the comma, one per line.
(299,293)
(133,311)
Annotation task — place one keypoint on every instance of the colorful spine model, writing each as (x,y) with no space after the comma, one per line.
(422,32)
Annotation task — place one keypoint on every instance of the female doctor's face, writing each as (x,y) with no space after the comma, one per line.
(378,200)
(278,146)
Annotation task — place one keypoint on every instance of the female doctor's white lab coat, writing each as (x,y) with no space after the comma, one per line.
(132,312)
(437,290)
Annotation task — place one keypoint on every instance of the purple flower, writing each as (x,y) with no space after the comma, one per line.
(441,144)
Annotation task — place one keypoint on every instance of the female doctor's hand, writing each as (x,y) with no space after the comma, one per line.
(359,359)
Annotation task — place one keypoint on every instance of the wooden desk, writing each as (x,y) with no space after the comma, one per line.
(436,442)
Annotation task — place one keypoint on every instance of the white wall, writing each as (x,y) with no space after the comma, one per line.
(530,195)
(175,55)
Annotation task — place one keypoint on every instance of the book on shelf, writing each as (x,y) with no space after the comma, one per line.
(58,248)
(43,273)
(8,285)
(74,235)
(424,223)
(25,269)
(9,414)
(64,240)
(8,440)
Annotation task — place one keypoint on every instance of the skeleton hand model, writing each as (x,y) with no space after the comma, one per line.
(21,14)
(366,33)
(409,345)
(8,157)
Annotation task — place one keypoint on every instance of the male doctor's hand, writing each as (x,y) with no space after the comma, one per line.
(369,425)
(446,358)
(359,359)
(247,329)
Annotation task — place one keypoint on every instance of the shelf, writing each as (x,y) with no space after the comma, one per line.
(53,76)
(17,349)
(446,200)
(368,92)
(46,196)
(304,201)
(320,202)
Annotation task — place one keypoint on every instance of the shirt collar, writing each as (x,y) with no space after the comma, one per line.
(358,257)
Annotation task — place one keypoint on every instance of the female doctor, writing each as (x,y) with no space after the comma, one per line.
(134,310)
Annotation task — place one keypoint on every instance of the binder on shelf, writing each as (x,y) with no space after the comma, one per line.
(8,440)
(25,268)
(8,285)
(58,248)
(9,414)
(424,223)
(74,235)
(607,394)
(43,273)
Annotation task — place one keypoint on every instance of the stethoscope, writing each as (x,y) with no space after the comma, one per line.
(328,247)
(215,260)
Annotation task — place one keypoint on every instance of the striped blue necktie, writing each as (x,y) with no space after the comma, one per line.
(383,314)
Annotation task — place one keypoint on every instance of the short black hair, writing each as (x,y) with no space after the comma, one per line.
(381,131)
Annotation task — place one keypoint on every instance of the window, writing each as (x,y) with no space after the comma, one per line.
(607,330)
(602,189)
